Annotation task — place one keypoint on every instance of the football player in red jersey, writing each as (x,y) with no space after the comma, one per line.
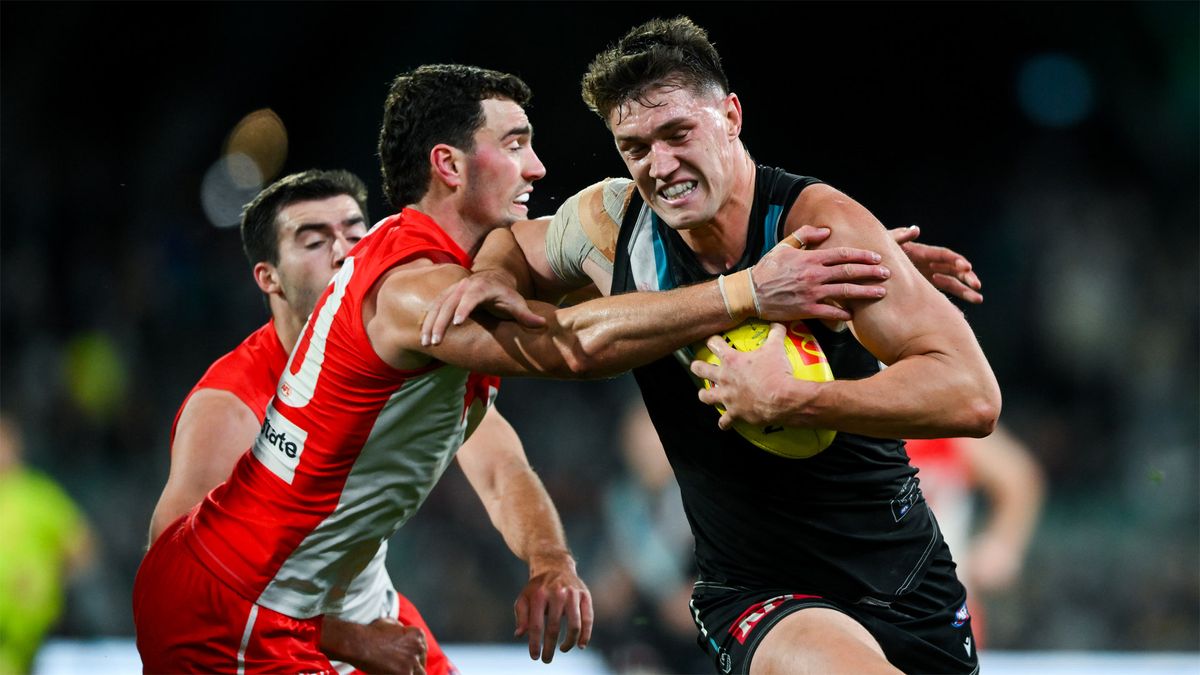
(296,234)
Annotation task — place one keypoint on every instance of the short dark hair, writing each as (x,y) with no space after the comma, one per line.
(260,235)
(430,105)
(656,53)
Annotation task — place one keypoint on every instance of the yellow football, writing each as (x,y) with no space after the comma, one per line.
(808,363)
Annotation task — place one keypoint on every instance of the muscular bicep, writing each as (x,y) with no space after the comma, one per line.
(913,318)
(214,430)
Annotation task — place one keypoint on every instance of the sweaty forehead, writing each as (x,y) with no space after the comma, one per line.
(641,116)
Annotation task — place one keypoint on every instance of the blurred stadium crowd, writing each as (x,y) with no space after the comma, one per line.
(1056,145)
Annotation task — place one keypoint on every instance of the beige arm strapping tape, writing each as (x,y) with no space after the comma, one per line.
(737,290)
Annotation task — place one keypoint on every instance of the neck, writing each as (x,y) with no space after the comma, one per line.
(720,243)
(444,211)
(287,324)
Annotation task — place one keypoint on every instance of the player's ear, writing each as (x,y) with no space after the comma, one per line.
(733,115)
(267,277)
(449,164)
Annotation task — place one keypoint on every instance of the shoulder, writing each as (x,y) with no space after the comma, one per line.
(823,196)
(248,372)
(822,205)
(409,289)
(408,235)
(597,211)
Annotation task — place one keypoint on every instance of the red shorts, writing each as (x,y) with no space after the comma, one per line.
(188,621)
(436,662)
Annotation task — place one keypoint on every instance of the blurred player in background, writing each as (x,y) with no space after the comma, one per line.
(646,566)
(44,542)
(829,564)
(297,233)
(367,415)
(1001,471)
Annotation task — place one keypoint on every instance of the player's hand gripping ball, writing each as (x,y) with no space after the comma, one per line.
(808,363)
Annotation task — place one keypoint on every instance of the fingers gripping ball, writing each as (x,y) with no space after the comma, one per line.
(808,363)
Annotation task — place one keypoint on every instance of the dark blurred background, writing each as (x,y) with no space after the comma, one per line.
(1056,145)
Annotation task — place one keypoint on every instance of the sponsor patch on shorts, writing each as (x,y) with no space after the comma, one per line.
(961,616)
(905,499)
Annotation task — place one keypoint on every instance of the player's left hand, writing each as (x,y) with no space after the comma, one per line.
(485,290)
(382,646)
(948,270)
(554,595)
(755,387)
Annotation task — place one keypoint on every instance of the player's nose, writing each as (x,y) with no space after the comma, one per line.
(341,247)
(662,161)
(534,169)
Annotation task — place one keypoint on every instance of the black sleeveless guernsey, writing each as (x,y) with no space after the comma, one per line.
(848,523)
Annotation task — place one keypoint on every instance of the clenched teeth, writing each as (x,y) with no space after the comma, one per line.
(678,190)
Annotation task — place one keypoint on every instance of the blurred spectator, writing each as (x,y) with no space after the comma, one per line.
(44,541)
(989,550)
(643,623)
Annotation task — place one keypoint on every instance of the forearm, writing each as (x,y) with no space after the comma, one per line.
(340,640)
(611,335)
(923,396)
(524,515)
(501,256)
(516,502)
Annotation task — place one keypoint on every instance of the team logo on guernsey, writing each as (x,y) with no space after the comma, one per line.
(960,617)
(280,444)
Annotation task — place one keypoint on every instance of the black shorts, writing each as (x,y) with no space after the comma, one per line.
(927,630)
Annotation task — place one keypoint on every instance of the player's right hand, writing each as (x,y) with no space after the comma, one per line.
(793,282)
(554,608)
(482,290)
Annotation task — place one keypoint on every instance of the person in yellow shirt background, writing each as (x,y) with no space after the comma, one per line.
(44,541)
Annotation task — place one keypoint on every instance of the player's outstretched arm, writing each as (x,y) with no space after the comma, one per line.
(555,606)
(938,383)
(787,283)
(215,428)
(606,336)
(382,646)
(501,280)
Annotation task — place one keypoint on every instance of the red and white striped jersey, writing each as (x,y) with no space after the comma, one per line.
(349,448)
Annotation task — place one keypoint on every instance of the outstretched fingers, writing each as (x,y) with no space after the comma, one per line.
(478,291)
(439,316)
